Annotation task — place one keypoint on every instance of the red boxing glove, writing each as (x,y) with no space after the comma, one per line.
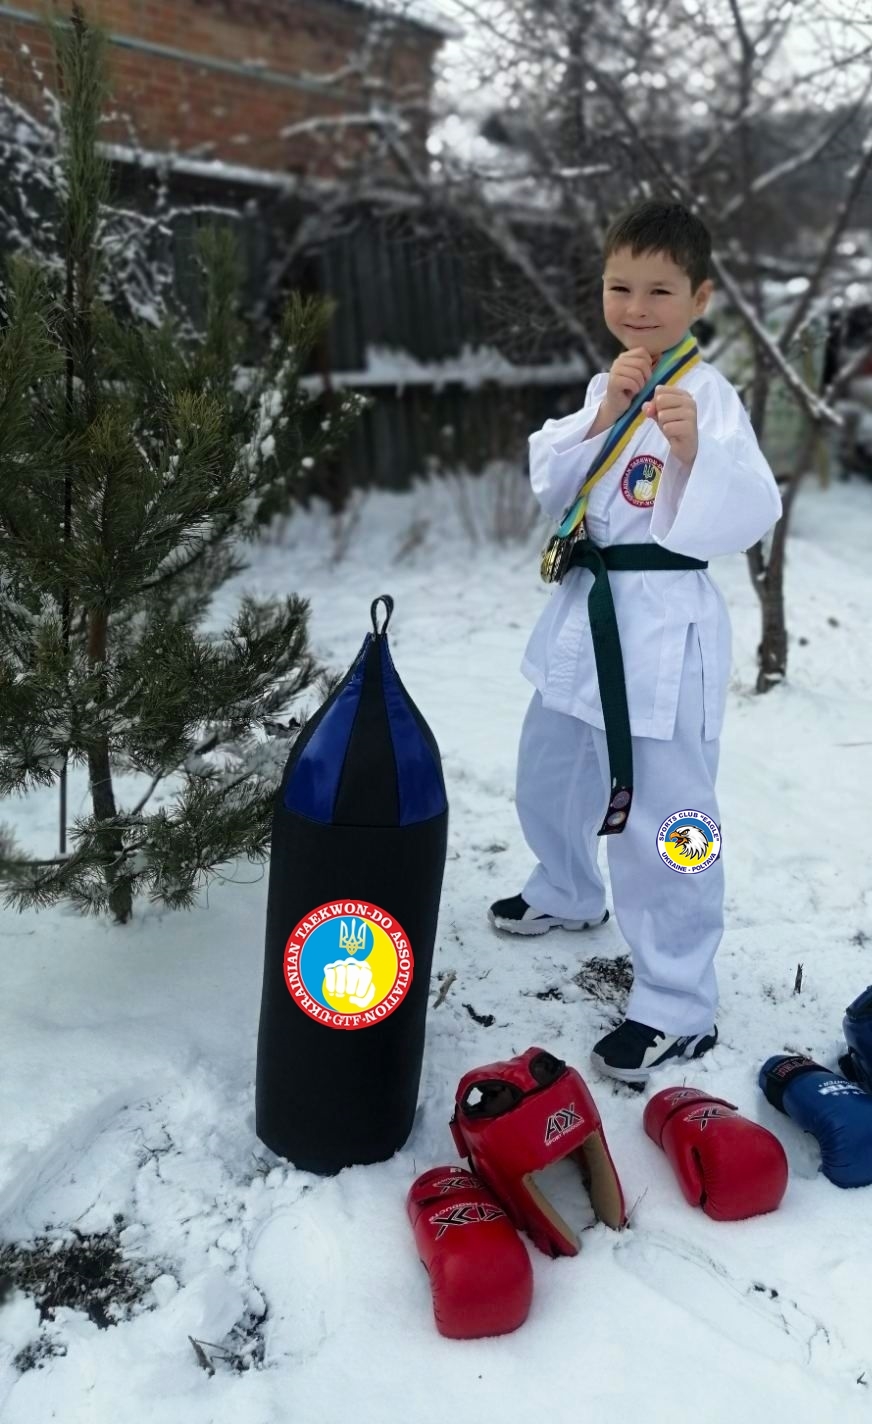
(728,1165)
(480,1272)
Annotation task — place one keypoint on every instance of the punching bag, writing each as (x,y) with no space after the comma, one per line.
(359,835)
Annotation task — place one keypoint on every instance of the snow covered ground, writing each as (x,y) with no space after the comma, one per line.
(128,1054)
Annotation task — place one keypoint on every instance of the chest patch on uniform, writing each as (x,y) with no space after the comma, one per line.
(640,479)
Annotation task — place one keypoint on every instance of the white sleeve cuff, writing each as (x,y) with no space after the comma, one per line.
(576,436)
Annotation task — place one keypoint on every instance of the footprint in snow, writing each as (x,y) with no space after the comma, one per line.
(298,1268)
(754,1318)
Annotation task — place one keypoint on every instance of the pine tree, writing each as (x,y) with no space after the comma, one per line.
(135,461)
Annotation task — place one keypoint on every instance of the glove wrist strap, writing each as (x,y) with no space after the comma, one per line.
(779,1078)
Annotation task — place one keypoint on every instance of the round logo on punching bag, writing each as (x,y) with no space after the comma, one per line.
(348,964)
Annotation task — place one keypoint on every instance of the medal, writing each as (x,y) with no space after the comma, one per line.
(557,552)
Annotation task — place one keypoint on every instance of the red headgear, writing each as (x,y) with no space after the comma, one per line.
(530,1112)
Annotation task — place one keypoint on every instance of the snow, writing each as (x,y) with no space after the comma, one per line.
(471,368)
(429,16)
(129,1053)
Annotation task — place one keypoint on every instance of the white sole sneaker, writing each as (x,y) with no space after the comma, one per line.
(681,1050)
(541,924)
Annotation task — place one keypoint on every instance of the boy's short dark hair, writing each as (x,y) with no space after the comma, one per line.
(660,225)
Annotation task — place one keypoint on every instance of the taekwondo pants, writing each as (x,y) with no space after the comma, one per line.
(671,922)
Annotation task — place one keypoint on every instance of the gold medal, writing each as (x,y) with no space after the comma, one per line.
(556,554)
(549,554)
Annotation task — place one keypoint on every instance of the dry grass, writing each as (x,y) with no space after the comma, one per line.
(607,980)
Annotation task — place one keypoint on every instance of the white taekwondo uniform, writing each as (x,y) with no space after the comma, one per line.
(676,645)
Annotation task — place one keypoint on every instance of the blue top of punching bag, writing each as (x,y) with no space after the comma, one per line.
(367,757)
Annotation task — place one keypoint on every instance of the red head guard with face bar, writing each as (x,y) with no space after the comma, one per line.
(518,1117)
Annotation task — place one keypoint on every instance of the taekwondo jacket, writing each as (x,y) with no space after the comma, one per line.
(721,504)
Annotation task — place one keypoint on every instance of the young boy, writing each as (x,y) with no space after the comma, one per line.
(681,480)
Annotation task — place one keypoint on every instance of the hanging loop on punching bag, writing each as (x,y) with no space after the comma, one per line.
(388,602)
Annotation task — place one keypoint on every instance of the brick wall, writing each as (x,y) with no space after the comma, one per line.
(222,78)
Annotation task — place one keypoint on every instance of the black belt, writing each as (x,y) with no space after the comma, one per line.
(609,660)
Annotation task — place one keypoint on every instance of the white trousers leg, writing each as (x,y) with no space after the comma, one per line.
(672,923)
(559,800)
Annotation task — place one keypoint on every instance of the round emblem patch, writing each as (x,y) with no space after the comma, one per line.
(640,480)
(688,841)
(348,964)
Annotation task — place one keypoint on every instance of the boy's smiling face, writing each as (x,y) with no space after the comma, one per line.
(647,300)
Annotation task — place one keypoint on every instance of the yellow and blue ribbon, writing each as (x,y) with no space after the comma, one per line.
(669,369)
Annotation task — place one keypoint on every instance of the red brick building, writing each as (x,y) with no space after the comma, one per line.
(235,111)
(282,85)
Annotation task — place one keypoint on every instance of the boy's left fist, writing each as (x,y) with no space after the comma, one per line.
(675,413)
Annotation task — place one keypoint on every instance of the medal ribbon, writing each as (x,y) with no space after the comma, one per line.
(669,369)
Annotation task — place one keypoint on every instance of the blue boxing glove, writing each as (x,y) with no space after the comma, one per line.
(838,1113)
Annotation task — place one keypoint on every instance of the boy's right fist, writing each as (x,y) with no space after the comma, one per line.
(629,374)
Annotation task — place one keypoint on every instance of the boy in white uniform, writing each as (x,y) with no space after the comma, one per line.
(690,478)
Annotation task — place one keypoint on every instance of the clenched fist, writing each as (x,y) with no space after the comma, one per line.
(346,979)
(675,413)
(629,374)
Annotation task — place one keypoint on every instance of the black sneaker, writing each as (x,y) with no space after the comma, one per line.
(632,1050)
(516,916)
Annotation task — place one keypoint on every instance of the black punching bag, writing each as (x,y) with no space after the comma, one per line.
(358,852)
